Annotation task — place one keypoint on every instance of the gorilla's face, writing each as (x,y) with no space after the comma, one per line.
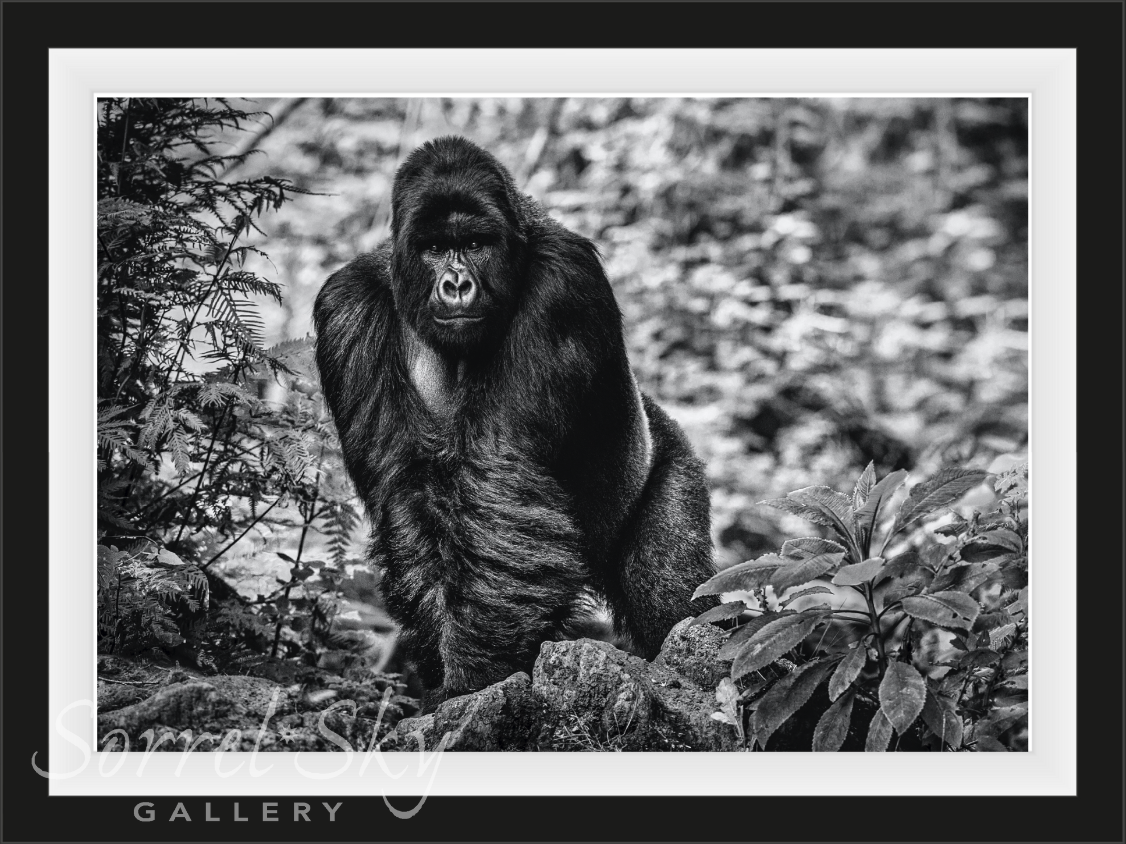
(467,282)
(457,251)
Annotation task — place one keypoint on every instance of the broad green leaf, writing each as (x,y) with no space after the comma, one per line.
(772,641)
(867,515)
(802,593)
(859,573)
(832,728)
(810,546)
(848,670)
(864,485)
(786,697)
(902,695)
(879,734)
(742,577)
(723,612)
(938,715)
(944,488)
(945,609)
(743,632)
(832,505)
(802,571)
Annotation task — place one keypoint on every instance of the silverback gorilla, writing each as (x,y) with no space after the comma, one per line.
(477,374)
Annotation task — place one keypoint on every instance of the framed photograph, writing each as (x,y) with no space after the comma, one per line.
(458,438)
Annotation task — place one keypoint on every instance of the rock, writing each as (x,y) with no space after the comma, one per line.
(186,705)
(504,716)
(114,696)
(600,698)
(583,695)
(693,652)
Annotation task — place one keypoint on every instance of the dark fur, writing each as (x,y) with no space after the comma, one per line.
(506,472)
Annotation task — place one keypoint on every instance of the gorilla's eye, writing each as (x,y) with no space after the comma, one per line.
(433,249)
(474,246)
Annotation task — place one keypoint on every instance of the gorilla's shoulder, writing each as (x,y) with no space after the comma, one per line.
(369,268)
(363,285)
(554,243)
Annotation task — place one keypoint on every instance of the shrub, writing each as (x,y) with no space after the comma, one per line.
(935,642)
(190,458)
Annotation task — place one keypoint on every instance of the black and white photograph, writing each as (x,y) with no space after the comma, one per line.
(559,421)
(569,424)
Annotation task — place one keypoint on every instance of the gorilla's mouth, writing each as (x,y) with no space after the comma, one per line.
(458,320)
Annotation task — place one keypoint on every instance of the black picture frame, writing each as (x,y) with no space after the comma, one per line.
(30,30)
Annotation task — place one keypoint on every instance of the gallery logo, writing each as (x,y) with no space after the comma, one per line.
(426,767)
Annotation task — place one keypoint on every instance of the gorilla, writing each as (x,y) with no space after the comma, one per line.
(510,467)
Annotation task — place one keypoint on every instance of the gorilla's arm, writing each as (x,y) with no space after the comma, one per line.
(359,360)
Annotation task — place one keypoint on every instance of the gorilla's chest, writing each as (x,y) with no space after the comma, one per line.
(433,377)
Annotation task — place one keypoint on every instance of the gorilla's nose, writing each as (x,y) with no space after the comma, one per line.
(456,290)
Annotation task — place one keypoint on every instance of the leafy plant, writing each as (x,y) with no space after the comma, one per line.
(190,456)
(140,592)
(935,636)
